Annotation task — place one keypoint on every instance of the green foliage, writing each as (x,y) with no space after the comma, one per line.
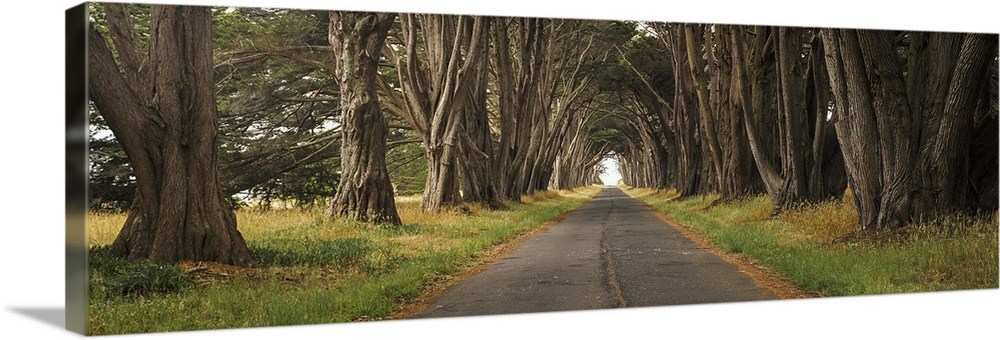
(407,168)
(112,186)
(112,276)
(276,113)
(278,105)
(139,15)
(307,186)
(242,28)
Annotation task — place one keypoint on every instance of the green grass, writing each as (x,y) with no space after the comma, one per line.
(953,253)
(112,277)
(312,270)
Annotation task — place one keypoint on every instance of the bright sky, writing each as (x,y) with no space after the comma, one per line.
(610,176)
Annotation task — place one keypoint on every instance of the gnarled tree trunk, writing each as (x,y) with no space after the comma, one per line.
(364,192)
(166,121)
(478,184)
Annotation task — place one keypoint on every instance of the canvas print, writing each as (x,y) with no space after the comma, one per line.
(257,167)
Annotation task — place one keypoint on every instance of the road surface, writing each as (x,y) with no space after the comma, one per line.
(612,252)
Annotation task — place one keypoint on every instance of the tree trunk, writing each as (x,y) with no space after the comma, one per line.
(907,147)
(697,71)
(755,92)
(949,161)
(854,114)
(503,66)
(983,177)
(792,115)
(739,173)
(783,102)
(688,170)
(827,178)
(364,192)
(722,124)
(440,188)
(435,77)
(170,137)
(519,44)
(478,185)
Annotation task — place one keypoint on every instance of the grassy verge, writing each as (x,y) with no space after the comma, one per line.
(311,270)
(813,246)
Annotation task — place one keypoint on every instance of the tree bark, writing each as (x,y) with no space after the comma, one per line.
(792,115)
(364,192)
(503,65)
(167,124)
(697,71)
(855,122)
(740,176)
(478,184)
(898,134)
(722,126)
(688,171)
(827,178)
(948,171)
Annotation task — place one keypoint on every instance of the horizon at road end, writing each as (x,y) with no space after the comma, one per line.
(610,175)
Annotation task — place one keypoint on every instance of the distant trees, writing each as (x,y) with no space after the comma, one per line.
(646,83)
(496,122)
(547,73)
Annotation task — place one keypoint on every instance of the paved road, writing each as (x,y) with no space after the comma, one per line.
(610,253)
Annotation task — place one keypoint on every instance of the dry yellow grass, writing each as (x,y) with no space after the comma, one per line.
(409,211)
(745,210)
(255,224)
(540,196)
(822,222)
(102,228)
(661,194)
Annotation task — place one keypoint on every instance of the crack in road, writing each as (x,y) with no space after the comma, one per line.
(609,265)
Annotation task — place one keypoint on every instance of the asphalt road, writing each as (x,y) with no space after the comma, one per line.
(610,253)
